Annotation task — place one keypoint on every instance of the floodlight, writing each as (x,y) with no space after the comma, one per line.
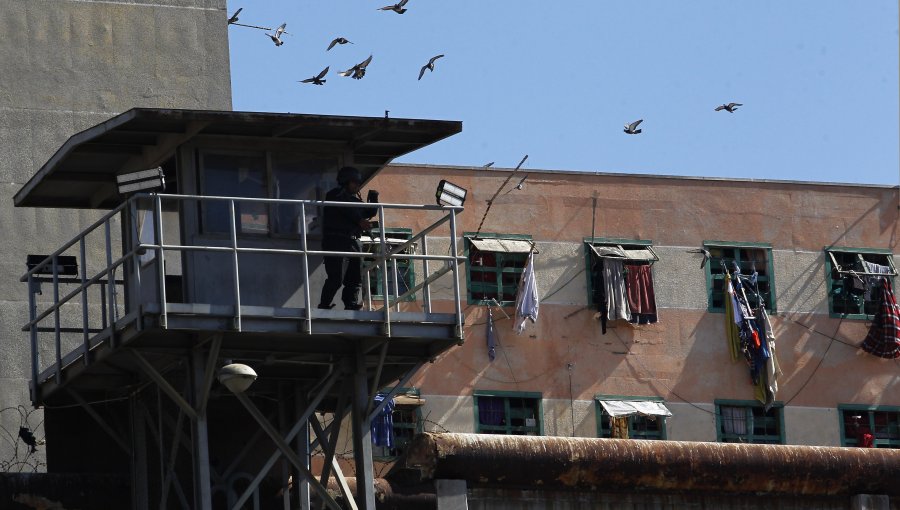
(142,180)
(237,377)
(450,194)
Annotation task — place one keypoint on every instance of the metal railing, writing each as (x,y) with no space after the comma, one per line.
(96,249)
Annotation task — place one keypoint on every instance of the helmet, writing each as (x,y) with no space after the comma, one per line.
(349,174)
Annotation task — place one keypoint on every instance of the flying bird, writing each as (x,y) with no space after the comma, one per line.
(278,33)
(28,438)
(706,255)
(398,7)
(630,128)
(357,71)
(489,165)
(339,40)
(429,65)
(730,107)
(317,80)
(234,17)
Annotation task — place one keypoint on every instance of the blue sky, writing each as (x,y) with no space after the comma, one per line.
(557,81)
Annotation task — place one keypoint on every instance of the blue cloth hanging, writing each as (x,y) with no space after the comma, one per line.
(383,424)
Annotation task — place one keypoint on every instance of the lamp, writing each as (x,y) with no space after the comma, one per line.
(450,194)
(144,179)
(237,377)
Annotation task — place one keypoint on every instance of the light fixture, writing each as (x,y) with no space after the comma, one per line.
(237,377)
(142,180)
(450,194)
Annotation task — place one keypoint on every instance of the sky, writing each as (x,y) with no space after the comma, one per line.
(558,80)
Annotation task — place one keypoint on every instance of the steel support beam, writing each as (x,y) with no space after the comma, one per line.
(210,374)
(140,491)
(100,421)
(202,484)
(333,463)
(301,444)
(362,435)
(164,384)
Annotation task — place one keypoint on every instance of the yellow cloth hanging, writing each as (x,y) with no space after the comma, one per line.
(619,427)
(732,335)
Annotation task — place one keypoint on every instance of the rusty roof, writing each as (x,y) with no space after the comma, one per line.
(82,172)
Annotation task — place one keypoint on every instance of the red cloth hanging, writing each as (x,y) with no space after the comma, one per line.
(883,339)
(639,289)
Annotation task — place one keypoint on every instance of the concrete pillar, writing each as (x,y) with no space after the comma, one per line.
(451,494)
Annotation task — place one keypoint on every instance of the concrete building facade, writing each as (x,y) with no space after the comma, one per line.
(563,364)
(69,65)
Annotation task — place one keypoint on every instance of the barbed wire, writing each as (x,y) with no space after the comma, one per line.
(23,456)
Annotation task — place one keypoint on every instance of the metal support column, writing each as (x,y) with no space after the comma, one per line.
(202,485)
(140,490)
(301,444)
(362,435)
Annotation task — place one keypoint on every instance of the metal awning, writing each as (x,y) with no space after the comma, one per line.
(503,245)
(625,408)
(409,400)
(617,252)
(82,173)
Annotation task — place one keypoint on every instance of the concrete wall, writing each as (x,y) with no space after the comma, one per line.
(684,358)
(68,65)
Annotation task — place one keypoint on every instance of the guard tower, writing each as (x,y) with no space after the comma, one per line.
(131,321)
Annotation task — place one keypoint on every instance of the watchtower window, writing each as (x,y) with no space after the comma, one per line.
(234,175)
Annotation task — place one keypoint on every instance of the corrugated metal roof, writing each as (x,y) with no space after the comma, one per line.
(82,172)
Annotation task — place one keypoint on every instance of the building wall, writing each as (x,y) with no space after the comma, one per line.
(68,65)
(684,358)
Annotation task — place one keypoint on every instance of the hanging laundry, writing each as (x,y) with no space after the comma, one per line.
(527,302)
(618,426)
(617,300)
(883,339)
(383,424)
(599,291)
(640,294)
(773,370)
(732,336)
(491,339)
(872,282)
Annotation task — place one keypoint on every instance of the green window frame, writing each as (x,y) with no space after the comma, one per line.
(406,275)
(748,256)
(407,423)
(747,421)
(514,410)
(625,244)
(883,422)
(491,274)
(842,304)
(639,427)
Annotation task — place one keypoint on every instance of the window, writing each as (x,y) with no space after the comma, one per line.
(847,294)
(508,412)
(496,263)
(630,251)
(407,422)
(404,269)
(749,257)
(261,175)
(642,417)
(741,421)
(883,422)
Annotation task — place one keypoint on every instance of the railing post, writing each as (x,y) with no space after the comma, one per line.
(84,304)
(160,260)
(110,286)
(135,283)
(56,332)
(307,300)
(384,276)
(396,281)
(33,332)
(454,269)
(426,290)
(236,274)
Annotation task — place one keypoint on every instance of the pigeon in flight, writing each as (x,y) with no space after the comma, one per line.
(398,7)
(706,255)
(278,33)
(630,128)
(234,17)
(488,165)
(429,65)
(730,107)
(339,40)
(317,80)
(357,71)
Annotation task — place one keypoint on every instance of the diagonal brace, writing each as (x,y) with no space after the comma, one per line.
(164,384)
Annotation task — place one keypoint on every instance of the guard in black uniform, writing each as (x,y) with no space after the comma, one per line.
(341,228)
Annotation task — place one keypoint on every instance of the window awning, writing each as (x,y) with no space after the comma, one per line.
(625,408)
(377,240)
(503,245)
(616,252)
(409,400)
